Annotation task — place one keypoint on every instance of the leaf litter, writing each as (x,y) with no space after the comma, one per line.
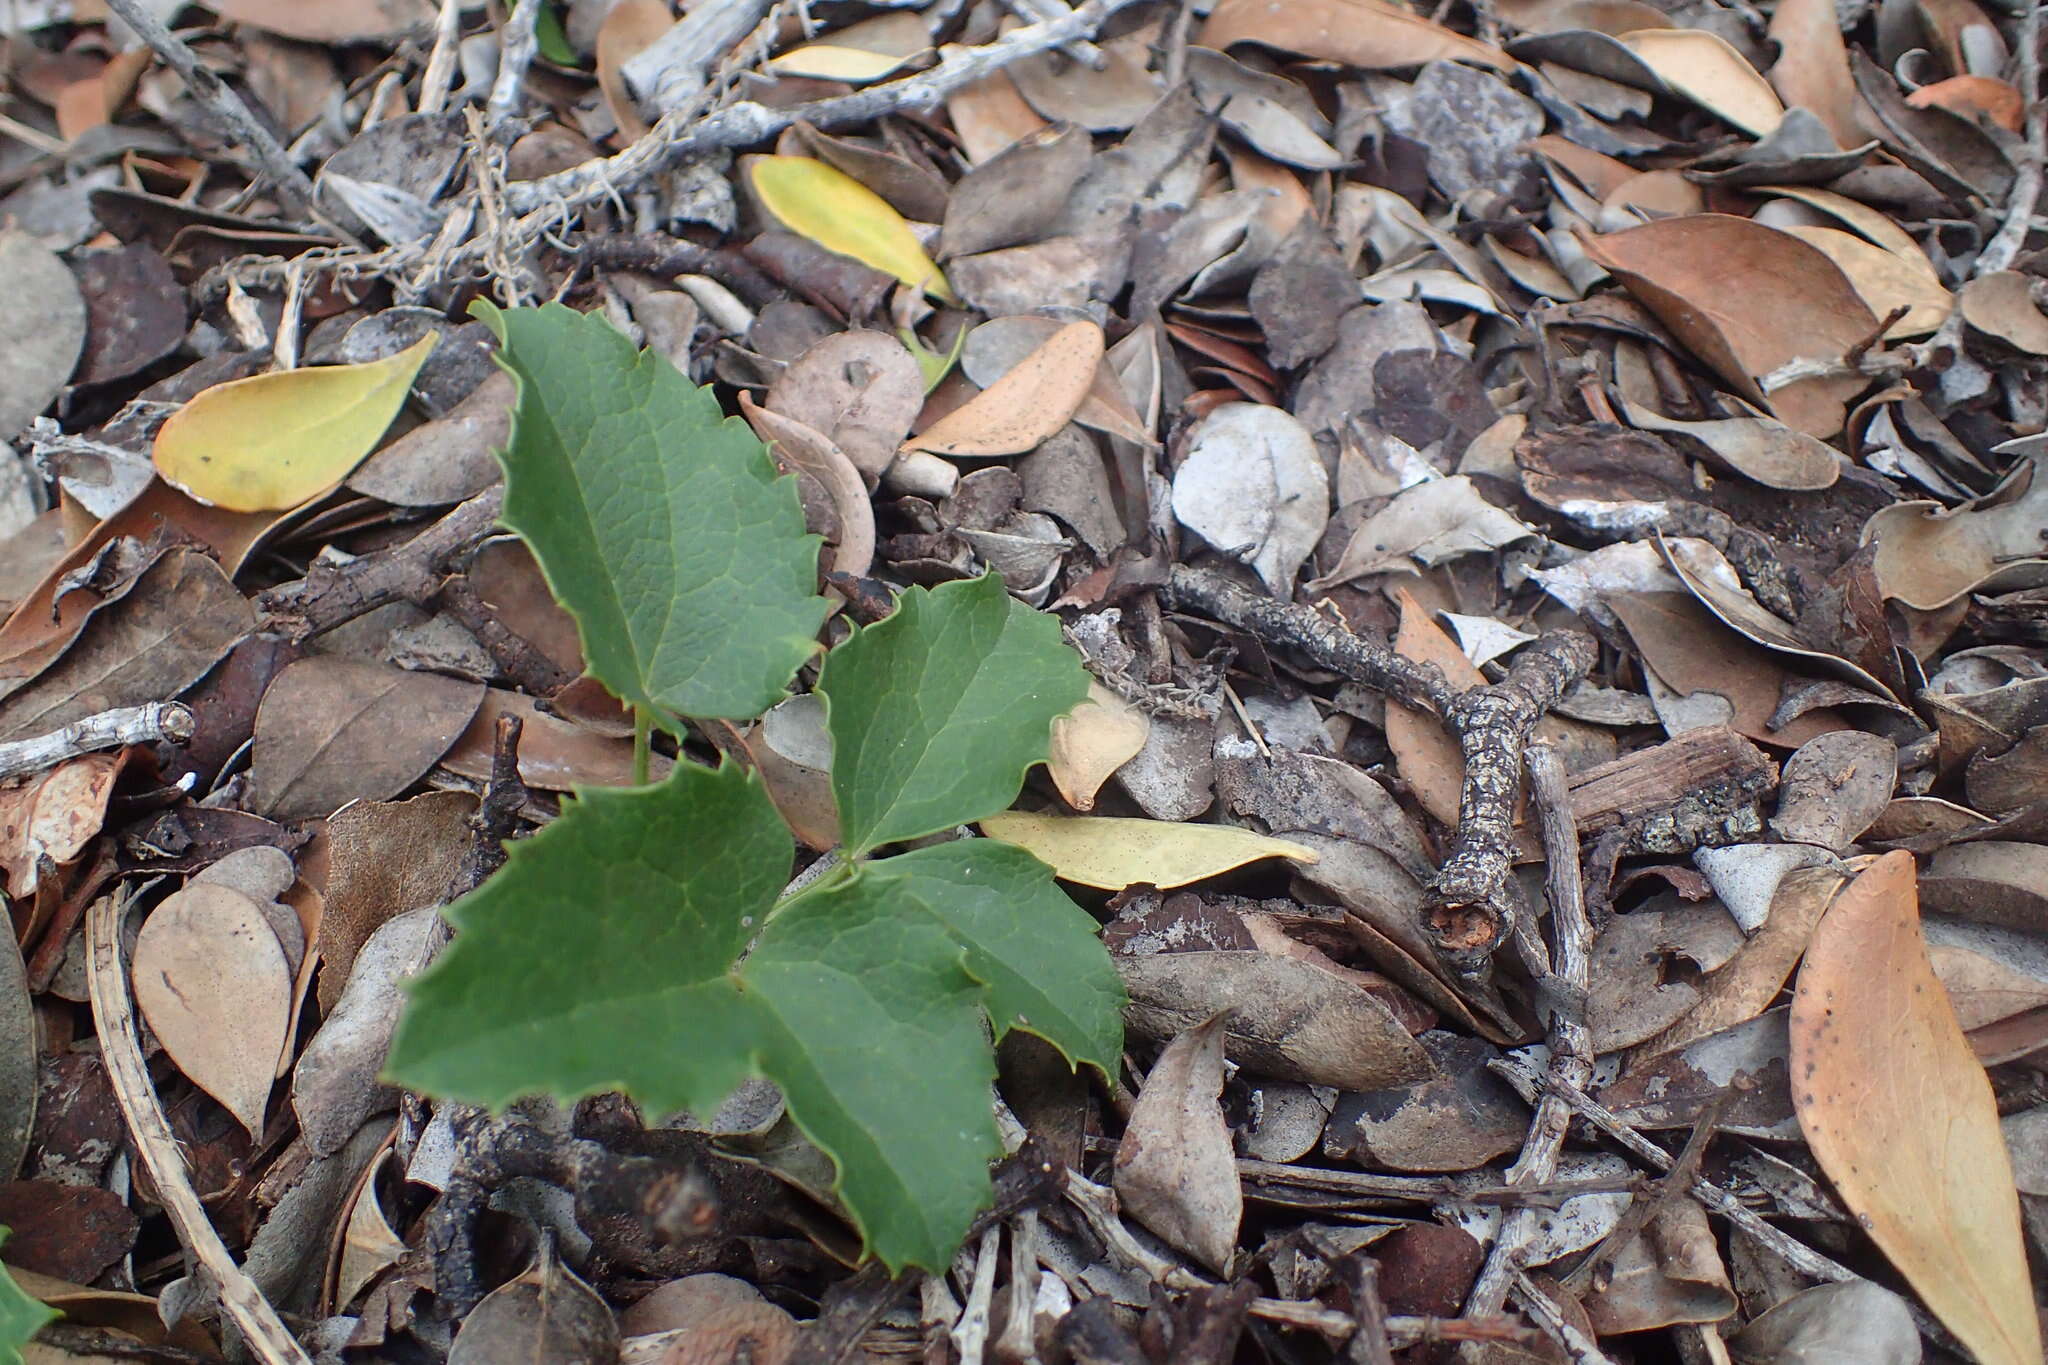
(1373,394)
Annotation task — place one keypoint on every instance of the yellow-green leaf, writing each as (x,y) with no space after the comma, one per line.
(829,62)
(275,441)
(1111,853)
(840,214)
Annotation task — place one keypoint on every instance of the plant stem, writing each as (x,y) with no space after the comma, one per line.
(643,727)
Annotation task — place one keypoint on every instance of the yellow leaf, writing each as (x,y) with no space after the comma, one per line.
(829,62)
(1898,1112)
(275,441)
(1091,742)
(1106,852)
(839,213)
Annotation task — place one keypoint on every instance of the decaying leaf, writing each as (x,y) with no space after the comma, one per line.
(1253,486)
(275,441)
(1112,853)
(1175,1171)
(1702,66)
(1899,1114)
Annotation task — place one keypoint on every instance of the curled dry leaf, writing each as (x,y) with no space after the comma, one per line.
(368,1245)
(1899,1114)
(1175,1170)
(823,203)
(810,450)
(1090,742)
(211,979)
(1363,33)
(274,441)
(1929,555)
(1758,448)
(630,28)
(1701,276)
(1034,399)
(2001,304)
(1704,68)
(1113,853)
(1885,280)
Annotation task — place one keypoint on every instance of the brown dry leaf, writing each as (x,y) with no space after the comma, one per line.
(1175,1170)
(1812,70)
(1701,276)
(1983,983)
(211,979)
(1428,758)
(1090,742)
(180,619)
(330,21)
(629,28)
(1290,1020)
(1885,280)
(383,859)
(1113,853)
(1745,985)
(554,755)
(1974,96)
(1929,555)
(1899,1114)
(2001,304)
(1704,68)
(1364,33)
(1689,649)
(334,730)
(54,815)
(1770,452)
(860,389)
(989,115)
(1037,397)
(800,447)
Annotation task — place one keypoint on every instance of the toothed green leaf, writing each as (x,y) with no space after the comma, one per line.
(662,526)
(936,711)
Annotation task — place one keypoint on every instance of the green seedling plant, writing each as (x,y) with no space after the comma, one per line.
(21,1317)
(645,941)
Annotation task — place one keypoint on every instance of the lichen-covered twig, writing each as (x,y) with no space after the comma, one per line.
(220,104)
(2025,197)
(148,724)
(518,43)
(1470,910)
(680,135)
(1571,1049)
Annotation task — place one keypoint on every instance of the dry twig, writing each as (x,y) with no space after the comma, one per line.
(152,723)
(228,113)
(113,1014)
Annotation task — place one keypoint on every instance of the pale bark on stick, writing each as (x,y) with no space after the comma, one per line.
(151,723)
